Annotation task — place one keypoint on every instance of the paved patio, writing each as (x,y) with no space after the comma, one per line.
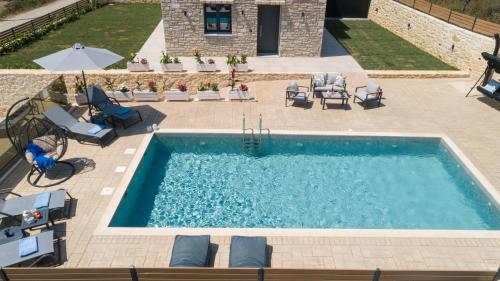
(413,106)
(334,57)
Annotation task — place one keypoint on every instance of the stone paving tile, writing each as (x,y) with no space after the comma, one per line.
(414,106)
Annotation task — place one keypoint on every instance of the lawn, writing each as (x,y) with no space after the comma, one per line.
(376,48)
(121,28)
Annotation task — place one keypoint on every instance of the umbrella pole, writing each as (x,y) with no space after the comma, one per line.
(87,94)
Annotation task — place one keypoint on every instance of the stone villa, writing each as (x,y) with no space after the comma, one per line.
(286,28)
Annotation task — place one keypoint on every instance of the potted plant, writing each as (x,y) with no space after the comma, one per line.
(149,94)
(135,64)
(180,92)
(80,97)
(122,94)
(239,64)
(170,64)
(201,65)
(240,93)
(208,91)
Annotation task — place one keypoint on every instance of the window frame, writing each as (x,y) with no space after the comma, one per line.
(218,13)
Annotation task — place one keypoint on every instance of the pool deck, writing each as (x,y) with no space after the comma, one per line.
(433,106)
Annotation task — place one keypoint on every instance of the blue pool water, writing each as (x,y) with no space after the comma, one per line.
(303,182)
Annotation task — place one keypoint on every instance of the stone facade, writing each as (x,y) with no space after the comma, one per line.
(16,84)
(451,44)
(299,35)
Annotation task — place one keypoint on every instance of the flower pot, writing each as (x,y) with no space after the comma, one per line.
(81,99)
(238,94)
(174,94)
(206,67)
(138,67)
(240,67)
(208,95)
(172,67)
(120,96)
(146,95)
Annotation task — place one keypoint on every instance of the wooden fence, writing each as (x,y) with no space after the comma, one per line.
(212,274)
(465,21)
(33,24)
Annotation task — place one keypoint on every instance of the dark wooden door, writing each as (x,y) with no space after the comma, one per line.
(268,29)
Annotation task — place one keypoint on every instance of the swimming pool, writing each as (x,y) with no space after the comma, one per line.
(303,182)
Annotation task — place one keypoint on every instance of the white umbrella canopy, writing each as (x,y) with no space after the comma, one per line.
(79,57)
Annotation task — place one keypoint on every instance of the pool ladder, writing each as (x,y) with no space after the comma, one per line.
(251,143)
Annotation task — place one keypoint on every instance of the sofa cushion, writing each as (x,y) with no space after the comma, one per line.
(248,252)
(293,86)
(191,251)
(331,77)
(372,87)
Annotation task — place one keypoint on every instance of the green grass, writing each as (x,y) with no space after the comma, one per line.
(375,48)
(121,28)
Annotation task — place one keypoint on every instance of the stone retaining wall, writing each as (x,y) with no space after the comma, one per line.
(453,45)
(134,1)
(16,84)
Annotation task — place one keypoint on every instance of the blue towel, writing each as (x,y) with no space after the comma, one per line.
(42,200)
(122,111)
(43,161)
(492,86)
(96,129)
(28,246)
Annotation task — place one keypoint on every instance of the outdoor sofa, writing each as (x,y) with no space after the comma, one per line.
(331,81)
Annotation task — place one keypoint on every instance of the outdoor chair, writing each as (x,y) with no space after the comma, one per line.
(80,131)
(372,92)
(248,252)
(191,251)
(36,248)
(15,206)
(297,93)
(111,107)
(491,89)
(323,82)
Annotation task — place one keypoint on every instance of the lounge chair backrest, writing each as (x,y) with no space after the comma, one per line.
(331,77)
(372,88)
(319,79)
(293,86)
(60,117)
(97,96)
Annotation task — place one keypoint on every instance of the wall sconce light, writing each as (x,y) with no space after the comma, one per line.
(303,14)
(409,26)
(250,30)
(242,12)
(185,13)
(376,10)
(452,47)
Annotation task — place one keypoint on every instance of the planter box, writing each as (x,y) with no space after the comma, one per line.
(138,67)
(120,96)
(205,67)
(240,67)
(81,99)
(208,95)
(172,67)
(237,94)
(172,95)
(146,96)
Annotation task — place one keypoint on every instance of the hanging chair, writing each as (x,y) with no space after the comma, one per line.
(40,143)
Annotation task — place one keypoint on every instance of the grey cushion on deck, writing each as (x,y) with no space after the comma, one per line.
(191,251)
(63,119)
(363,95)
(10,251)
(372,87)
(16,205)
(324,88)
(300,97)
(248,252)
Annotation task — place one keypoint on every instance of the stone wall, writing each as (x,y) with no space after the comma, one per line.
(133,1)
(16,84)
(453,45)
(299,36)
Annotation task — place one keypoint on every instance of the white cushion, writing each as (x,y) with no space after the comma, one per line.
(301,96)
(324,88)
(340,81)
(362,95)
(318,83)
(331,77)
(293,86)
(372,87)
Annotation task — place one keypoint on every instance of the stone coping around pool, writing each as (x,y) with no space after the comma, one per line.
(417,74)
(104,229)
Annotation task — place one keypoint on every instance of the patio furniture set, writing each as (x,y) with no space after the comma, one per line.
(332,86)
(28,213)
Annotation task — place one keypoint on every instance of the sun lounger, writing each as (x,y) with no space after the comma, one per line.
(111,107)
(248,252)
(36,247)
(191,251)
(15,206)
(80,131)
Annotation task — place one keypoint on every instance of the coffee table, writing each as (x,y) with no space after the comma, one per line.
(328,95)
(44,220)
